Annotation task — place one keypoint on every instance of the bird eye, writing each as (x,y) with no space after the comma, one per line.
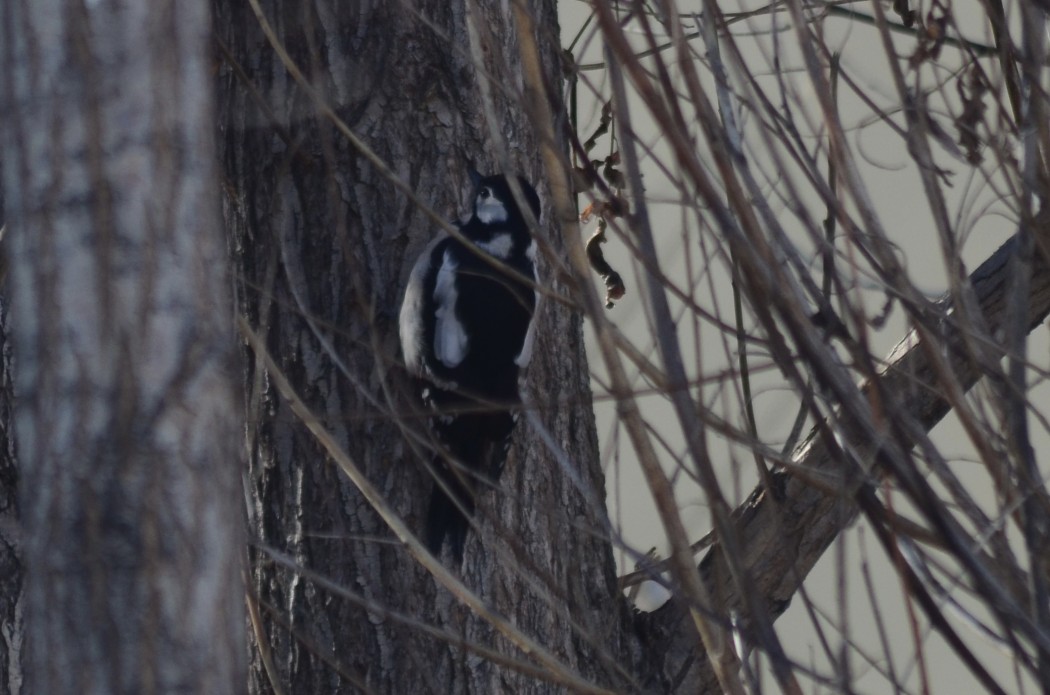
(485,192)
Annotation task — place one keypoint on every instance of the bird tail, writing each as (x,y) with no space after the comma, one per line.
(447,517)
(477,444)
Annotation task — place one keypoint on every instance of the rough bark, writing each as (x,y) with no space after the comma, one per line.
(12,632)
(127,425)
(323,246)
(120,322)
(12,604)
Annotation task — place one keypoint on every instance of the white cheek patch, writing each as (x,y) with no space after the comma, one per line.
(450,340)
(489,210)
(499,246)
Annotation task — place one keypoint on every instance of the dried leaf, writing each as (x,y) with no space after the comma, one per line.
(902,10)
(932,35)
(584,178)
(614,287)
(602,129)
(971,95)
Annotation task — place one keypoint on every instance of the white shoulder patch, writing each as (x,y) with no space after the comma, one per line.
(450,340)
(525,356)
(411,317)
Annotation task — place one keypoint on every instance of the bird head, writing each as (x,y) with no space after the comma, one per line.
(494,202)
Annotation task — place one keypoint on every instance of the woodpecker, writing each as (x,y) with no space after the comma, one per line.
(467,330)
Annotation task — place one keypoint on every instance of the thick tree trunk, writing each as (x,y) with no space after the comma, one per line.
(12,605)
(120,323)
(121,328)
(324,243)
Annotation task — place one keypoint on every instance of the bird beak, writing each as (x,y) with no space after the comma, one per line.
(475,177)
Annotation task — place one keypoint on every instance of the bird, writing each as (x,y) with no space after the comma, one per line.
(467,329)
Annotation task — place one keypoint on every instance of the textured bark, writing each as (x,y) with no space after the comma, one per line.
(12,605)
(323,247)
(120,322)
(126,419)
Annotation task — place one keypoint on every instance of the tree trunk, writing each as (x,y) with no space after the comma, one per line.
(127,430)
(120,321)
(12,605)
(324,242)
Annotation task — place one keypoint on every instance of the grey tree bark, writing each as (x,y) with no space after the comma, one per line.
(323,247)
(12,606)
(121,327)
(324,241)
(120,324)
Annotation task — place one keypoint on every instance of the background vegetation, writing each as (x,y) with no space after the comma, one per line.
(829,222)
